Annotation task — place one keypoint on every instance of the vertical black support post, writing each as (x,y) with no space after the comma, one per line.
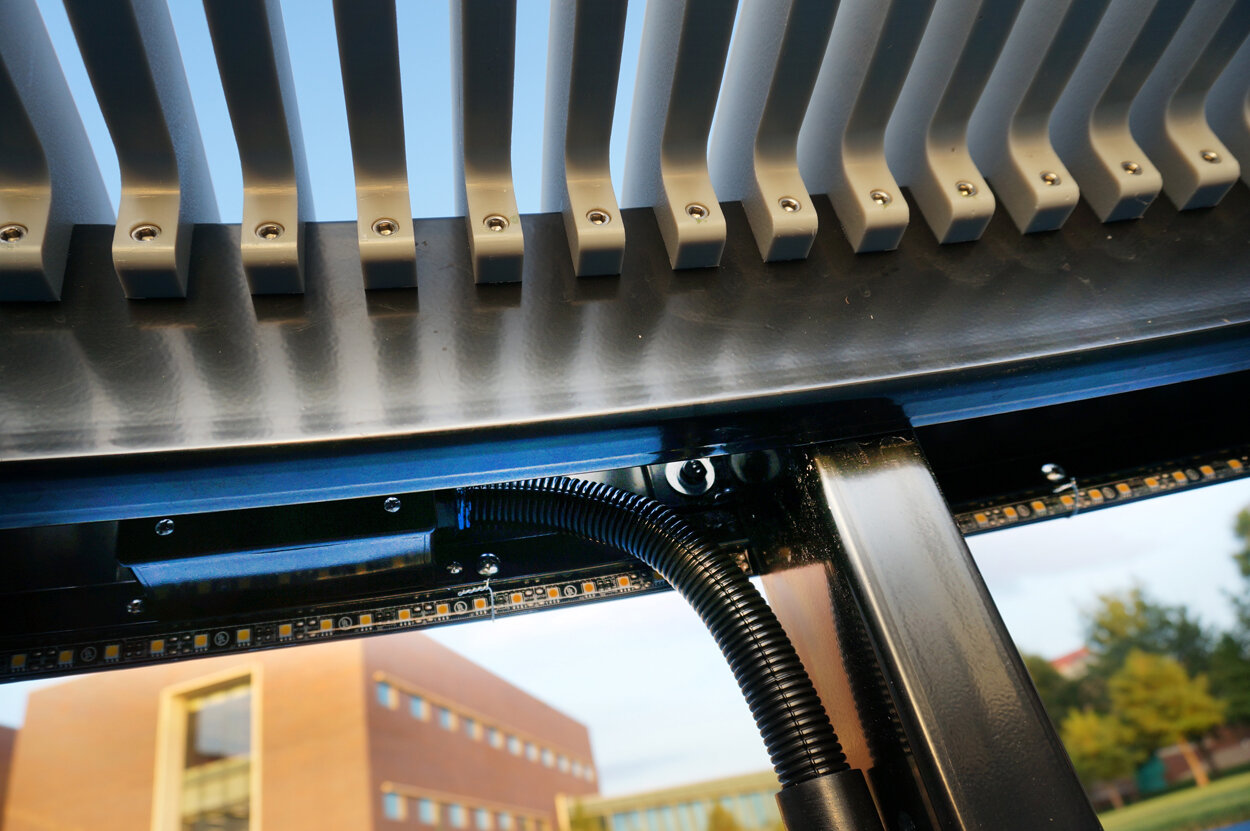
(881,597)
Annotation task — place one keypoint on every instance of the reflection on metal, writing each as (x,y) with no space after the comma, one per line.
(132,56)
(984,750)
(48,175)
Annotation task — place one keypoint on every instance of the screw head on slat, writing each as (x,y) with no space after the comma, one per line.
(497,223)
(145,233)
(1132,167)
(385,227)
(789,204)
(269,230)
(1210,156)
(1050,178)
(597,216)
(696,211)
(966,188)
(881,197)
(12,233)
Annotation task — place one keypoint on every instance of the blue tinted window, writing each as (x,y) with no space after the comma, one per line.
(481,819)
(470,728)
(393,805)
(759,806)
(426,812)
(417,706)
(457,816)
(504,821)
(446,719)
(384,693)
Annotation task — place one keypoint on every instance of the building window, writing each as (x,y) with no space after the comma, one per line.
(590,773)
(549,758)
(531,751)
(446,719)
(495,736)
(457,816)
(504,821)
(481,819)
(418,708)
(216,790)
(471,728)
(386,694)
(427,811)
(577,769)
(563,763)
(514,745)
(393,806)
(759,806)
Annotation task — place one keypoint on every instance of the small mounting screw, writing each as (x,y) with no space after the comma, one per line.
(488,565)
(269,230)
(598,217)
(454,568)
(789,204)
(1132,167)
(881,197)
(1054,472)
(164,527)
(391,504)
(145,233)
(1051,179)
(1210,156)
(12,233)
(134,607)
(497,223)
(696,211)
(966,188)
(385,227)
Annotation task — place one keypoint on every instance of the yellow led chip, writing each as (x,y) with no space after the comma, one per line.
(65,657)
(1094,494)
(1151,482)
(157,647)
(326,624)
(982,519)
(366,620)
(442,609)
(1234,464)
(1124,489)
(1067,500)
(201,641)
(587,588)
(623,582)
(516,597)
(1179,477)
(1206,470)
(405,614)
(243,636)
(479,603)
(112,651)
(1010,512)
(1038,505)
(284,630)
(18,661)
(553,593)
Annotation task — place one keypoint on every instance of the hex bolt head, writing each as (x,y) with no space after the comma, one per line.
(134,607)
(391,504)
(488,565)
(164,527)
(454,568)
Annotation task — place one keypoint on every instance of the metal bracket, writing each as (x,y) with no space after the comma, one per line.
(132,57)
(48,175)
(682,61)
(1228,108)
(260,93)
(753,155)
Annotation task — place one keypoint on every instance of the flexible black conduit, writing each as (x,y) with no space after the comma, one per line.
(800,740)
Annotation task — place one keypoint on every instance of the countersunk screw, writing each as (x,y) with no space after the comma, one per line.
(1210,156)
(1054,472)
(488,565)
(497,223)
(391,504)
(134,607)
(164,527)
(696,211)
(789,204)
(966,188)
(1051,179)
(454,568)
(385,227)
(12,233)
(269,230)
(145,233)
(1132,167)
(881,197)
(598,217)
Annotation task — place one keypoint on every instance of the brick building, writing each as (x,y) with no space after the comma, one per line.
(378,733)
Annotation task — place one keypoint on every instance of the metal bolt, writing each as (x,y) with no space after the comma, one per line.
(966,188)
(385,227)
(454,568)
(134,607)
(696,211)
(1210,156)
(12,233)
(789,204)
(488,565)
(693,472)
(391,504)
(164,527)
(496,222)
(145,233)
(598,217)
(881,197)
(1051,179)
(1054,472)
(1132,167)
(269,230)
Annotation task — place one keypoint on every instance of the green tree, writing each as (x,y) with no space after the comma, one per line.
(1241,527)
(1163,705)
(1230,677)
(1058,694)
(1125,621)
(1101,747)
(719,819)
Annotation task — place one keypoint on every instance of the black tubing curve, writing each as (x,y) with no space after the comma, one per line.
(796,731)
